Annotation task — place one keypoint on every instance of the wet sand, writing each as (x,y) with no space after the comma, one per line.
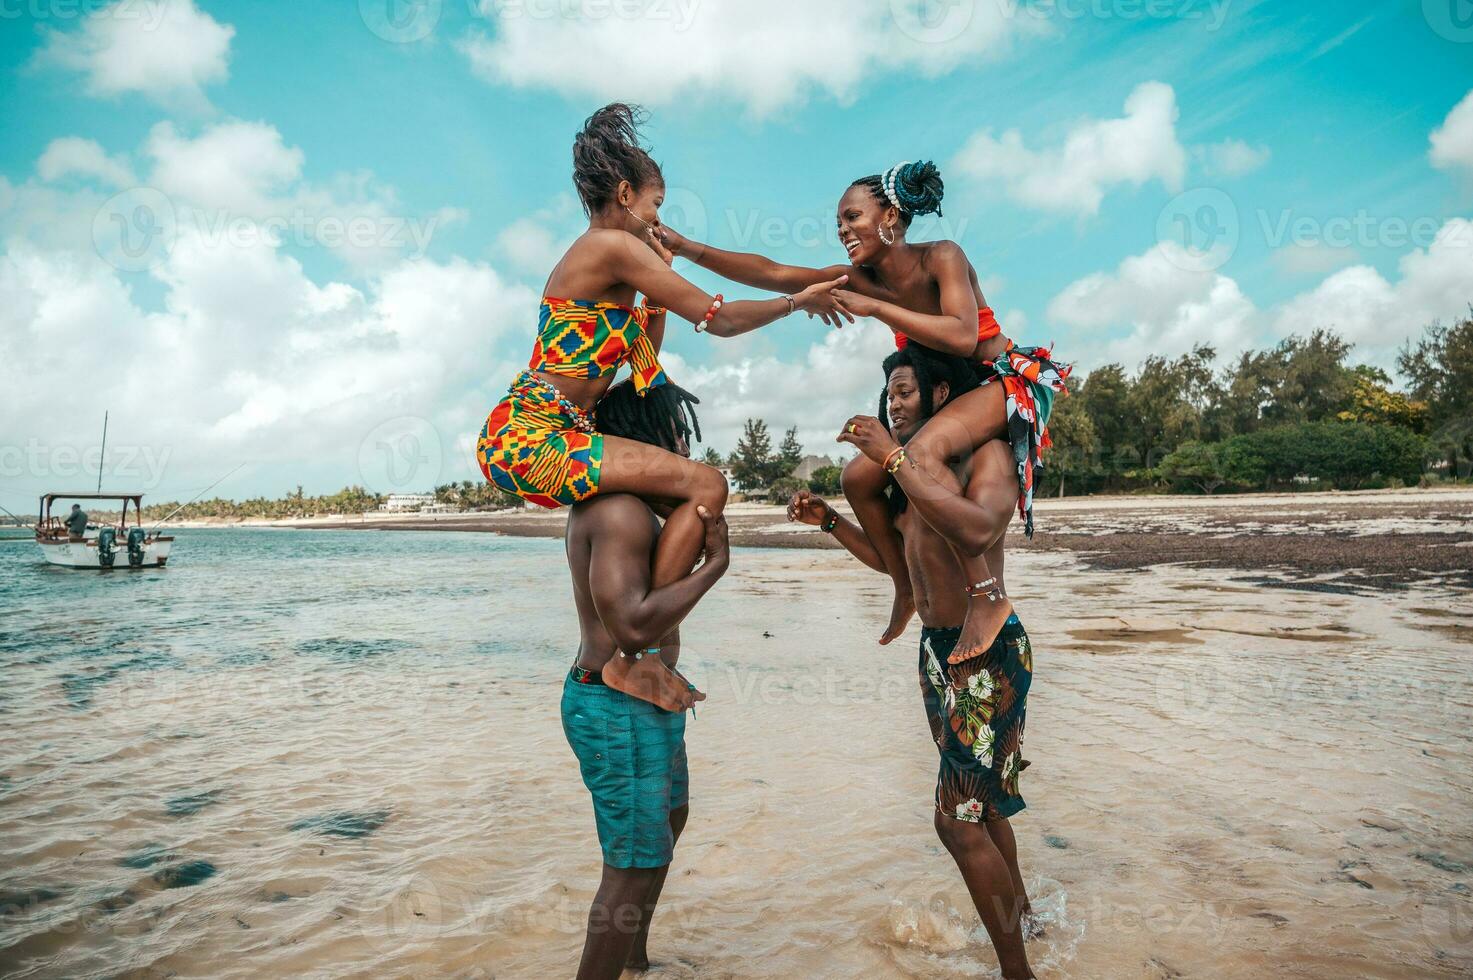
(1374,539)
(1227,781)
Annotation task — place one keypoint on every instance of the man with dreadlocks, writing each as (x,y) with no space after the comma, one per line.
(632,752)
(976,707)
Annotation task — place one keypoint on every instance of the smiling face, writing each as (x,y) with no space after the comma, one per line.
(643,206)
(860,218)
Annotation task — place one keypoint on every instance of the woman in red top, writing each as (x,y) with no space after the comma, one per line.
(926,292)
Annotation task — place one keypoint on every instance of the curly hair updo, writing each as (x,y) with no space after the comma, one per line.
(607,151)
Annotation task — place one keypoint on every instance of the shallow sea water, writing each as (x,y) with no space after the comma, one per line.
(338,754)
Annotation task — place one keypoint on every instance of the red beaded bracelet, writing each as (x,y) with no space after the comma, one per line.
(711,313)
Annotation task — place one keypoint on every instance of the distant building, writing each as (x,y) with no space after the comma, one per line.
(810,464)
(401,502)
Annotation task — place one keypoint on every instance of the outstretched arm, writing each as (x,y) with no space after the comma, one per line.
(636,263)
(748,268)
(637,616)
(809,508)
(954,330)
(968,520)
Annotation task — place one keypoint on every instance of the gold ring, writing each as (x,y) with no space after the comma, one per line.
(853,429)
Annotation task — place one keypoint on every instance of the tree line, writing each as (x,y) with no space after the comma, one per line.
(1295,415)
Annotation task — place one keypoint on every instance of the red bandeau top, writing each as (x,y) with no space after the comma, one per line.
(987,328)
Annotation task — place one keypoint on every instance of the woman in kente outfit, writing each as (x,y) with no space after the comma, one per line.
(539,441)
(928,292)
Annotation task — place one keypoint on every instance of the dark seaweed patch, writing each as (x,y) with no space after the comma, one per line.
(343,650)
(184,875)
(183,806)
(344,824)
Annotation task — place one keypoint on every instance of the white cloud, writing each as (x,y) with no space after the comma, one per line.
(532,245)
(167,50)
(1095,156)
(1452,142)
(661,53)
(249,359)
(1378,315)
(1233,158)
(72,155)
(1169,301)
(838,376)
(241,166)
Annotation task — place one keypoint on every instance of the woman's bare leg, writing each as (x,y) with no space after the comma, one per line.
(864,483)
(647,471)
(970,431)
(993,487)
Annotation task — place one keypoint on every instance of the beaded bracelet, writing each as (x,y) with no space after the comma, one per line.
(711,313)
(894,461)
(830,522)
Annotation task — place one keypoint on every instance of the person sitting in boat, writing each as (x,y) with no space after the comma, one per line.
(76,521)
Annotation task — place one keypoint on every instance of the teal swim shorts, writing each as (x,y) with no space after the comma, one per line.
(632,756)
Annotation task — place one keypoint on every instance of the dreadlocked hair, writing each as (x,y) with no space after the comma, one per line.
(931,368)
(660,417)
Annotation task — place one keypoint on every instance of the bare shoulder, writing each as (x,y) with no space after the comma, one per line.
(944,252)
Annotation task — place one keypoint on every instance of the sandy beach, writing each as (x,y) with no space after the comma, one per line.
(1374,538)
(1228,779)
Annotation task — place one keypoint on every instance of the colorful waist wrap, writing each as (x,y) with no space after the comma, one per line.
(1031,380)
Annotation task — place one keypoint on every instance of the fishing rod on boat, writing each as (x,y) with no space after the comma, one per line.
(194,498)
(17,523)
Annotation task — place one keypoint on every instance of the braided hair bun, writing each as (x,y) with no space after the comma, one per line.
(918,187)
(607,151)
(912,187)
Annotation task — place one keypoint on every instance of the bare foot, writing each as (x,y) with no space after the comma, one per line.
(985,619)
(650,680)
(1033,927)
(901,610)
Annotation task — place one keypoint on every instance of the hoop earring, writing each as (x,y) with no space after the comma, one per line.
(887,241)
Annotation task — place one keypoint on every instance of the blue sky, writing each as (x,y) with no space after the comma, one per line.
(1128,176)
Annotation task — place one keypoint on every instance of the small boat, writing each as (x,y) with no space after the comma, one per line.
(102,546)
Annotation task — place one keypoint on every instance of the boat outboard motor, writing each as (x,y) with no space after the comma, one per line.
(136,537)
(107,546)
